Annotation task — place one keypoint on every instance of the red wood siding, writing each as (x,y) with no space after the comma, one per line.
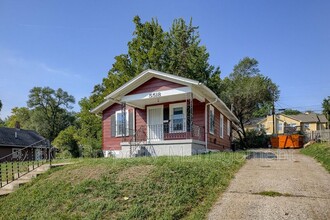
(215,142)
(141,121)
(108,142)
(199,113)
(155,84)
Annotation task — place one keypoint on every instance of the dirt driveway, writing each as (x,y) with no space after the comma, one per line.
(303,183)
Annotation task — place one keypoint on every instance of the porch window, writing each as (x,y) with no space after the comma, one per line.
(178,113)
(211,121)
(221,125)
(120,123)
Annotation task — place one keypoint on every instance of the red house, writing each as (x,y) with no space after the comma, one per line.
(158,113)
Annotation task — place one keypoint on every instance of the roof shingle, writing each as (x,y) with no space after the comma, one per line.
(22,138)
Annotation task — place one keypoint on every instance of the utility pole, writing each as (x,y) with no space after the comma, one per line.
(273,113)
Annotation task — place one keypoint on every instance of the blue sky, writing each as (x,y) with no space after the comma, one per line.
(71,44)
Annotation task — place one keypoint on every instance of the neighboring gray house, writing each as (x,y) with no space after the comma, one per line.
(14,140)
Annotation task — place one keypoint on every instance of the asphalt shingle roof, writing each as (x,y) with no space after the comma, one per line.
(24,137)
(307,118)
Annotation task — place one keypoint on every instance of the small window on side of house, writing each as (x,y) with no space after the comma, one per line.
(211,120)
(17,153)
(228,127)
(221,125)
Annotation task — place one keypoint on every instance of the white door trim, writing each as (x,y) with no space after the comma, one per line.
(148,122)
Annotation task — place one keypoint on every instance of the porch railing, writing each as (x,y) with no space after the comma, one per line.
(161,132)
(319,135)
(168,131)
(24,160)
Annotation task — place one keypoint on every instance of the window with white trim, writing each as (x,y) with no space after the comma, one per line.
(17,153)
(211,119)
(228,127)
(221,125)
(279,127)
(121,124)
(178,117)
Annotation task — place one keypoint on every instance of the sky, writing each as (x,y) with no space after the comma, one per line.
(71,44)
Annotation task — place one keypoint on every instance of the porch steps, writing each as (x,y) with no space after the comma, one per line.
(25,178)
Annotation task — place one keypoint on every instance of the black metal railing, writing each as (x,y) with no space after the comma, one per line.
(24,160)
(166,131)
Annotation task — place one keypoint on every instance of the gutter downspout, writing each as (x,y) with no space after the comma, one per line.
(206,127)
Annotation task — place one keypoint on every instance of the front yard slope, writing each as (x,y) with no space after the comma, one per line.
(139,188)
(319,151)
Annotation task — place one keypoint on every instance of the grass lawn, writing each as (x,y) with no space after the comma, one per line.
(138,188)
(319,151)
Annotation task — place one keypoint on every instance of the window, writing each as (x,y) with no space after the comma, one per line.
(306,125)
(292,125)
(221,125)
(121,118)
(211,120)
(279,127)
(17,153)
(228,127)
(177,119)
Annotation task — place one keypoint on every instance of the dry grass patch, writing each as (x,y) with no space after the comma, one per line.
(273,194)
(77,174)
(135,173)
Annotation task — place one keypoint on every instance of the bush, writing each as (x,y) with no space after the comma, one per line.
(253,139)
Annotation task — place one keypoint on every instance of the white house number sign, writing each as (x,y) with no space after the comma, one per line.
(155,95)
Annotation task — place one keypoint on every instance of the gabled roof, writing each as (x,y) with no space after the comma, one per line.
(22,138)
(308,118)
(115,96)
(254,121)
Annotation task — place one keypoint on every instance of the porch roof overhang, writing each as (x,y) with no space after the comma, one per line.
(199,90)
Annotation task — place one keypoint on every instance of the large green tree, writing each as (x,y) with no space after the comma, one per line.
(50,110)
(247,90)
(2,123)
(67,142)
(291,112)
(84,137)
(177,51)
(21,115)
(326,108)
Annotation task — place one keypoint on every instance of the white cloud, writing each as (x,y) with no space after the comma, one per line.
(18,75)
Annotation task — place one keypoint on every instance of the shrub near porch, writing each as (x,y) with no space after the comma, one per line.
(139,188)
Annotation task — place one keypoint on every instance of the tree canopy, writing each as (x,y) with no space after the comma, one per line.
(291,112)
(50,110)
(21,115)
(248,91)
(177,51)
(326,108)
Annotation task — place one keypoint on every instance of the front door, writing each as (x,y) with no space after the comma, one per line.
(155,123)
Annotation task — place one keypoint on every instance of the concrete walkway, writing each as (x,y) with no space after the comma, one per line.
(11,187)
(304,183)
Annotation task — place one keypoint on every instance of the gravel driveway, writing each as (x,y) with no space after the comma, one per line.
(304,183)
